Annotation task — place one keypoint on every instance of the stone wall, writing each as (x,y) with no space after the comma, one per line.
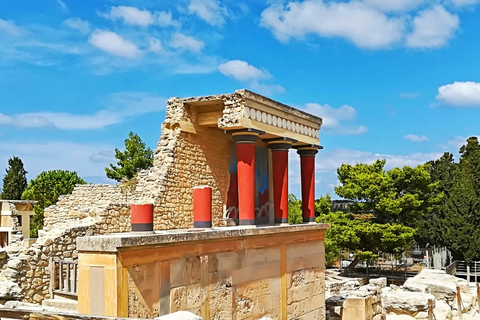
(227,273)
(28,267)
(86,200)
(186,160)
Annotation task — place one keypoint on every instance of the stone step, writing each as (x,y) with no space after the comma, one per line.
(62,304)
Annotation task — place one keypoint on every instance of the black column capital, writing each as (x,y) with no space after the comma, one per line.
(247,135)
(279,145)
(308,150)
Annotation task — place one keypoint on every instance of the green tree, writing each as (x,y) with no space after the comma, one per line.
(432,228)
(135,158)
(46,188)
(15,180)
(394,196)
(360,234)
(295,215)
(323,205)
(462,215)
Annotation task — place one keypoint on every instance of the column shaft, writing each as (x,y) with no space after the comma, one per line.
(280,185)
(307,163)
(246,183)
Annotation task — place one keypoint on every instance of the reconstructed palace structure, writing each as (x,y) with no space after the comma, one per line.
(250,264)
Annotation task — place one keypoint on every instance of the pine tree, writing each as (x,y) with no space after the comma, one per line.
(135,158)
(45,189)
(15,181)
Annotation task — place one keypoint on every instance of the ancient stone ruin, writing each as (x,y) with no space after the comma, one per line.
(236,145)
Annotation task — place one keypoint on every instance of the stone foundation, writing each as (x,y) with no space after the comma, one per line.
(225,273)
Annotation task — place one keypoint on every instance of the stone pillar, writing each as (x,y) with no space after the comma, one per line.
(246,175)
(307,164)
(280,179)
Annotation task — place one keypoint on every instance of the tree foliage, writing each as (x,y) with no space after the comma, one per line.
(15,181)
(460,220)
(400,195)
(46,188)
(135,158)
(295,215)
(360,234)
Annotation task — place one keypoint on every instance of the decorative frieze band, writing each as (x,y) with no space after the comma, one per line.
(280,122)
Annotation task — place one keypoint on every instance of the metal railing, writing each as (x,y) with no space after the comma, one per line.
(63,277)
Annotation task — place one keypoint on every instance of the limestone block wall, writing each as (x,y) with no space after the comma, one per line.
(86,200)
(235,273)
(184,160)
(29,267)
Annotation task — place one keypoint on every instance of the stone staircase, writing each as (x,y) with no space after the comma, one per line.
(61,303)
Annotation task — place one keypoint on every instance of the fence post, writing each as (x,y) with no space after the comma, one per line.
(468,271)
(459,304)
(430,309)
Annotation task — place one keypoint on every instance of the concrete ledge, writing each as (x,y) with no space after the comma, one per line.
(115,241)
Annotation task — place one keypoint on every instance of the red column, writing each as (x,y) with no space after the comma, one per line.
(246,176)
(307,163)
(141,217)
(280,179)
(202,207)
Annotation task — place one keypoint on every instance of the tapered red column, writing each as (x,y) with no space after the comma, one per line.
(280,179)
(246,175)
(307,164)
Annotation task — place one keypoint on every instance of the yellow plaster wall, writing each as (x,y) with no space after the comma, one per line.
(279,276)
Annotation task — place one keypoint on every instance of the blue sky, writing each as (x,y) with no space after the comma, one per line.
(395,79)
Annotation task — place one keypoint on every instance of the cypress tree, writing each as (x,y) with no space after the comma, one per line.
(15,181)
(462,218)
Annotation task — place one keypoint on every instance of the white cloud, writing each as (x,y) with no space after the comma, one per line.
(331,160)
(131,15)
(114,44)
(103,156)
(432,28)
(327,161)
(10,28)
(242,71)
(77,24)
(62,5)
(184,42)
(266,89)
(155,45)
(394,5)
(165,19)
(208,10)
(456,143)
(38,157)
(137,17)
(365,26)
(333,118)
(461,3)
(415,138)
(460,94)
(120,107)
(409,95)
